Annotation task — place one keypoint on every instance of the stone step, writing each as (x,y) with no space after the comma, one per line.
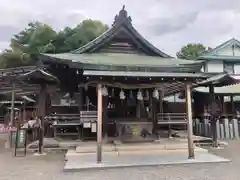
(89,148)
(150,146)
(92,148)
(73,153)
(158,151)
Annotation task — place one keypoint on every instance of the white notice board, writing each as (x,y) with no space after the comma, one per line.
(94,127)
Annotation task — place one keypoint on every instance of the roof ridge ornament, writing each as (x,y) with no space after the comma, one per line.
(122,16)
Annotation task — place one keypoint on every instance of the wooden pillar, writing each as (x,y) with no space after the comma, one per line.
(189,122)
(223,106)
(12,105)
(152,102)
(99,124)
(232,105)
(161,97)
(138,111)
(80,98)
(213,116)
(24,111)
(154,115)
(41,114)
(86,98)
(105,116)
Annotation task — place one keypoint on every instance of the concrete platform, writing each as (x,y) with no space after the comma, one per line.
(87,162)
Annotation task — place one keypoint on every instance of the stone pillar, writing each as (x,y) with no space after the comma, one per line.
(99,124)
(226,128)
(189,124)
(231,135)
(235,128)
(218,130)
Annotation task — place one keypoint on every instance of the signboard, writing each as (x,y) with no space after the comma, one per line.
(86,125)
(21,138)
(94,128)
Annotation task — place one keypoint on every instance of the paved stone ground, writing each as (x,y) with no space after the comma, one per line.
(50,167)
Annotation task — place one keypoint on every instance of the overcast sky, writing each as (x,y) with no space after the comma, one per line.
(168,24)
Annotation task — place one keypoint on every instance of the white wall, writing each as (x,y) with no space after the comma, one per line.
(237,51)
(214,66)
(236,68)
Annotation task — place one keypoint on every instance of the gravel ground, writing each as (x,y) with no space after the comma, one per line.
(50,167)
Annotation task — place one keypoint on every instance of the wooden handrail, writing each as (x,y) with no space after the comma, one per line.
(172,118)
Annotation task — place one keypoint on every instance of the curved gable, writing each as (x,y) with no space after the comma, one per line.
(122,37)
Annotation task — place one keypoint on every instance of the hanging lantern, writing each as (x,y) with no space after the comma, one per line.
(122,95)
(139,95)
(155,94)
(104,91)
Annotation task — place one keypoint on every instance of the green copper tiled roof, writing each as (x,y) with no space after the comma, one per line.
(227,90)
(38,76)
(118,59)
(219,80)
(212,54)
(143,74)
(122,29)
(225,58)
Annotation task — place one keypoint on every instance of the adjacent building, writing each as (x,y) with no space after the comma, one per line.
(223,58)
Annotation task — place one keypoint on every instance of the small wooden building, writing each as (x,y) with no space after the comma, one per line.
(134,77)
(120,79)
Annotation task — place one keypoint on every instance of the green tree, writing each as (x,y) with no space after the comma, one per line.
(36,38)
(72,38)
(191,51)
(41,38)
(14,59)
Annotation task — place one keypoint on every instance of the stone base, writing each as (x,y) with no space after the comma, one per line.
(39,154)
(78,163)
